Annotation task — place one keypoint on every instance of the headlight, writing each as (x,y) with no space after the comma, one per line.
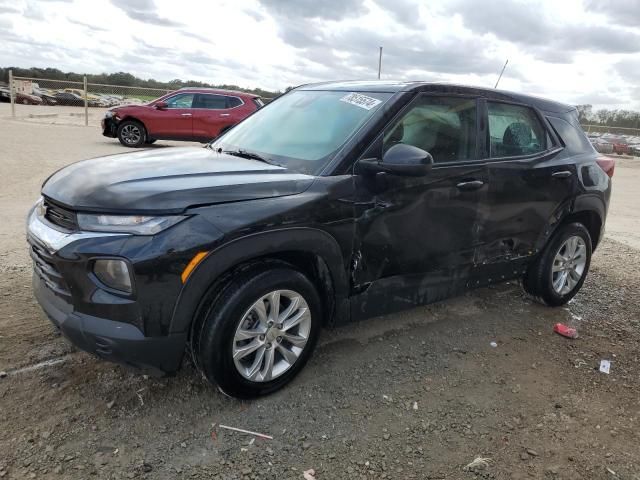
(109,114)
(137,224)
(114,274)
(38,207)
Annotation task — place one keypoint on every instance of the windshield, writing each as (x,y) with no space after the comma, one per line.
(304,129)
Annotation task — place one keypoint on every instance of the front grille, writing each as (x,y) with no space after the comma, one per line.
(60,216)
(45,268)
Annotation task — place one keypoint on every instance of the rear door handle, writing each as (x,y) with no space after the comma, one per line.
(186,114)
(561,174)
(470,185)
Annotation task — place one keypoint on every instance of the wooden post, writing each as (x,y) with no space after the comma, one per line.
(12,94)
(86,102)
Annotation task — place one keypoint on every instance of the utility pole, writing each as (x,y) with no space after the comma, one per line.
(380,63)
(505,66)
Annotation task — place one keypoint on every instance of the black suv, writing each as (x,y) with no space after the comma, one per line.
(335,202)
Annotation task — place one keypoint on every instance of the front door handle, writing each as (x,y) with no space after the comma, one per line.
(186,114)
(470,185)
(561,174)
(225,114)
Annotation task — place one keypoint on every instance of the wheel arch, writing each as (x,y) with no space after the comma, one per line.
(135,119)
(590,211)
(314,252)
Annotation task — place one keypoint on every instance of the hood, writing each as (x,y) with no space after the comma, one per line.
(168,180)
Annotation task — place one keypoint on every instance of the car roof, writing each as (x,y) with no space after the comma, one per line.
(381,86)
(218,91)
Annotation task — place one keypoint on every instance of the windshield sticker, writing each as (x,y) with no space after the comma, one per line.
(360,100)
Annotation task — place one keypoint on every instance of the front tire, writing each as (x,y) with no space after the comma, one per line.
(259,331)
(559,272)
(131,133)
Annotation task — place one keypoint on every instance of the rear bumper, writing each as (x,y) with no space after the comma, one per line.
(109,127)
(110,340)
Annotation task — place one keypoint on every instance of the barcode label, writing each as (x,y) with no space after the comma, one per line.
(360,100)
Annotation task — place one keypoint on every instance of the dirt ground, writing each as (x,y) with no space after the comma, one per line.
(418,395)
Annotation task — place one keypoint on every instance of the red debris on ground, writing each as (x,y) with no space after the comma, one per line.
(565,331)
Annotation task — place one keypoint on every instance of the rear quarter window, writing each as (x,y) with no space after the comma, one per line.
(574,138)
(233,102)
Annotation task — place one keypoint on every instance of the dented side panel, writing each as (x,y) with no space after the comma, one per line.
(415,236)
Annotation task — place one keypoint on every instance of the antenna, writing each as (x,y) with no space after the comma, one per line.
(380,63)
(501,72)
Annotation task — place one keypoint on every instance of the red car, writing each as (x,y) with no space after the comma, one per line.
(190,114)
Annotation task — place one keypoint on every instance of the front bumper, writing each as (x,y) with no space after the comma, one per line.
(109,127)
(94,320)
(110,340)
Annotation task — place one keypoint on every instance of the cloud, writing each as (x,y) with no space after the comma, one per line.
(406,12)
(144,11)
(256,15)
(197,36)
(629,69)
(324,9)
(87,25)
(625,12)
(529,25)
(8,9)
(33,12)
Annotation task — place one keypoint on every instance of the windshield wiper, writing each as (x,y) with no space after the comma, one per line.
(245,154)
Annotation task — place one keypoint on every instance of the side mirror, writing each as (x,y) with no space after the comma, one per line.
(161,105)
(400,159)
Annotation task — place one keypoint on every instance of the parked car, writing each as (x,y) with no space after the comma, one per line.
(23,98)
(92,99)
(47,97)
(73,99)
(619,143)
(333,203)
(192,114)
(603,146)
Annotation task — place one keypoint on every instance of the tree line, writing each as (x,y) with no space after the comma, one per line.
(608,118)
(123,79)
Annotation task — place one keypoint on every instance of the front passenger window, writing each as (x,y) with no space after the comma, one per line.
(514,131)
(183,100)
(443,126)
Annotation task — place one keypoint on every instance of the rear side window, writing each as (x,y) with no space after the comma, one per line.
(514,131)
(443,126)
(233,102)
(212,102)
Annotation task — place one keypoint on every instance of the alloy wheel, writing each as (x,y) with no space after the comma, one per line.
(131,134)
(271,335)
(569,265)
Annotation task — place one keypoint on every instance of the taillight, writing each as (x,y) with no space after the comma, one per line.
(607,165)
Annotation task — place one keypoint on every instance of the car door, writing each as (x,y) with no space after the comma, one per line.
(175,121)
(416,237)
(530,187)
(211,114)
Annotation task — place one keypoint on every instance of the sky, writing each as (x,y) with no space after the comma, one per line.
(574,51)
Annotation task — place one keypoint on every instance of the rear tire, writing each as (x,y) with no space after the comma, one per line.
(561,269)
(241,319)
(131,133)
